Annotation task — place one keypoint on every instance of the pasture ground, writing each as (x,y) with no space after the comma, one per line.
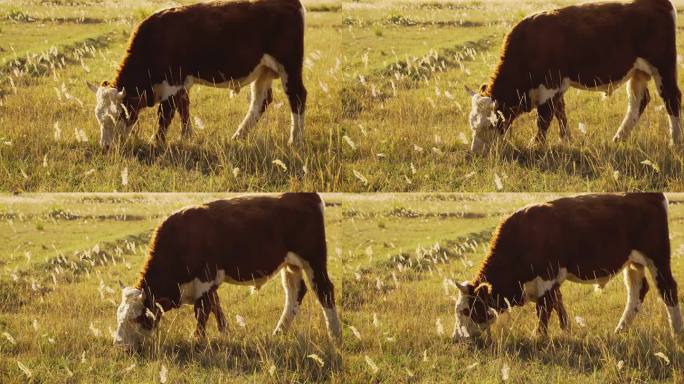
(391,257)
(386,111)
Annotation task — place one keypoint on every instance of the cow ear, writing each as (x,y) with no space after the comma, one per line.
(463,287)
(121,285)
(484,290)
(483,87)
(120,96)
(165,303)
(469,91)
(92,86)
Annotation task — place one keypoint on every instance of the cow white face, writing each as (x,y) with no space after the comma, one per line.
(483,120)
(110,113)
(131,317)
(473,315)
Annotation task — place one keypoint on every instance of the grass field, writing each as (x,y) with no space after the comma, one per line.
(386,111)
(400,251)
(60,261)
(390,256)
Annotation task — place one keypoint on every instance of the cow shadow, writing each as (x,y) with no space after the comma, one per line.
(591,163)
(582,355)
(270,355)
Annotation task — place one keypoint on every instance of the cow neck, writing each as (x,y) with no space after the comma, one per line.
(498,274)
(134,79)
(508,90)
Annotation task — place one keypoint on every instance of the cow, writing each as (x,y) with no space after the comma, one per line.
(584,239)
(595,46)
(220,44)
(244,241)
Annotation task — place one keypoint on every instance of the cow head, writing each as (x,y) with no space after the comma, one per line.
(116,118)
(484,119)
(134,320)
(474,314)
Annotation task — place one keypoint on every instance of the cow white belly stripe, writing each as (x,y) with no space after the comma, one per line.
(164,90)
(193,290)
(542,94)
(538,287)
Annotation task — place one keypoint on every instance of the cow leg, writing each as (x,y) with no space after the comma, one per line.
(637,99)
(544,118)
(560,309)
(666,82)
(261,97)
(667,287)
(296,95)
(295,289)
(165,113)
(544,308)
(183,103)
(325,292)
(637,286)
(203,307)
(559,114)
(217,310)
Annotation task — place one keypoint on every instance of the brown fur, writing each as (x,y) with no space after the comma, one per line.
(591,44)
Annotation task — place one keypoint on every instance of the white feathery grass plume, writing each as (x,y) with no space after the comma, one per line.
(57,131)
(662,357)
(498,183)
(463,138)
(471,366)
(24,369)
(417,148)
(45,161)
(236,172)
(9,338)
(580,321)
(355,331)
(280,164)
(439,326)
(163,374)
(81,136)
(129,368)
(652,165)
(360,177)
(240,321)
(317,359)
(376,321)
(94,330)
(505,372)
(199,123)
(124,176)
(582,128)
(620,364)
(371,364)
(349,142)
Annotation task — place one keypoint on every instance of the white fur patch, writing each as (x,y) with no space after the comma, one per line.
(267,62)
(538,287)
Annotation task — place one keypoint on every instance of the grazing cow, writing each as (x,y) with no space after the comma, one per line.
(240,241)
(591,46)
(221,44)
(585,239)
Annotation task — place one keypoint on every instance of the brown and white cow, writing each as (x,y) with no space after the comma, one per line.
(584,239)
(590,46)
(239,241)
(221,44)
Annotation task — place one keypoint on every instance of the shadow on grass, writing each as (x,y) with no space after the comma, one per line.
(586,355)
(253,355)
